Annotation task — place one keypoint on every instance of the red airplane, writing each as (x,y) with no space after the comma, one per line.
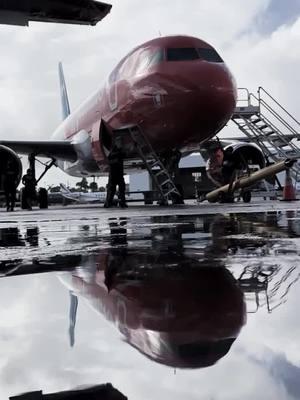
(145,295)
(176,89)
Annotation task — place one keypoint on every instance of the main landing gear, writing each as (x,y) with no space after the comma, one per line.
(40,196)
(227,197)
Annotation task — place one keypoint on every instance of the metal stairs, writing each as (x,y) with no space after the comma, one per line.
(268,124)
(154,165)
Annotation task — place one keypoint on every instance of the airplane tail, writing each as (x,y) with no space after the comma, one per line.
(63,93)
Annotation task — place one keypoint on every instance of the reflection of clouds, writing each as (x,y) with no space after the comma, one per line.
(35,353)
(282,371)
(40,357)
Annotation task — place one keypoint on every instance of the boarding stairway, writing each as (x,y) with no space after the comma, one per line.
(268,124)
(154,165)
(267,286)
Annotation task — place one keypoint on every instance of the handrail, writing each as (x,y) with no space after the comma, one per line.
(263,103)
(279,117)
(248,95)
(261,89)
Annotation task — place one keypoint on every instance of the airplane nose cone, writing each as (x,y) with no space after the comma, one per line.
(200,99)
(213,94)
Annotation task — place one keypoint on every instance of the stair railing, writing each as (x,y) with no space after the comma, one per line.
(263,104)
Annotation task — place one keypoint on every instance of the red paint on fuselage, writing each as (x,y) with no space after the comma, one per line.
(175,103)
(152,310)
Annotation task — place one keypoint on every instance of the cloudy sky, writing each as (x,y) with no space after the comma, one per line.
(258,39)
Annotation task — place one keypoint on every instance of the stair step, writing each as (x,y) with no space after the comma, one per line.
(171,191)
(279,143)
(255,121)
(155,164)
(269,133)
(161,172)
(167,181)
(263,127)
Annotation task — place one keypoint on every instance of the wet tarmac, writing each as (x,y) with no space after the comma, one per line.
(187,303)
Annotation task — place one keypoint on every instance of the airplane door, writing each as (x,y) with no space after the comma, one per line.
(97,145)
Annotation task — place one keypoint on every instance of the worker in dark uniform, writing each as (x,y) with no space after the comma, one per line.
(10,186)
(116,176)
(229,166)
(29,183)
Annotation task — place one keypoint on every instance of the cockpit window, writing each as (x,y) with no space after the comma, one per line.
(182,54)
(148,58)
(210,55)
(156,58)
(190,54)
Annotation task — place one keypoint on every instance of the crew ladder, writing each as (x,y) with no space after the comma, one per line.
(154,165)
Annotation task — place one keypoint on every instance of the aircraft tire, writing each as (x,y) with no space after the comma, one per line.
(43,198)
(246,196)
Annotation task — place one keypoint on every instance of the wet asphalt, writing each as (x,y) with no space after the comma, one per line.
(193,302)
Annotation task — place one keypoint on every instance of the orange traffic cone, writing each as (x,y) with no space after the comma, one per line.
(288,190)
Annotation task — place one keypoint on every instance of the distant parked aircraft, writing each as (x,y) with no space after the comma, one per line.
(82,197)
(92,197)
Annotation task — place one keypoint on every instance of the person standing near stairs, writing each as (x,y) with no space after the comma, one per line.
(29,191)
(116,175)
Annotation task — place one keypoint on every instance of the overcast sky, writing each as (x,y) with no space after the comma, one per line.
(258,39)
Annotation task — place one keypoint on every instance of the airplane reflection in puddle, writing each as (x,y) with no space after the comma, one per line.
(179,297)
(177,306)
(171,309)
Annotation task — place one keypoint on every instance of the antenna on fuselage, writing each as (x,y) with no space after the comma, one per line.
(63,93)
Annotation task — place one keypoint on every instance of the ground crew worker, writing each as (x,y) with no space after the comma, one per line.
(229,165)
(214,167)
(29,183)
(116,176)
(10,186)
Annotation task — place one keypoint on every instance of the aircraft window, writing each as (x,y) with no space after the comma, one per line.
(210,55)
(156,58)
(148,59)
(127,69)
(113,77)
(182,54)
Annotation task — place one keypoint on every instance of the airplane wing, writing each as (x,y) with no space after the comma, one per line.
(83,12)
(59,149)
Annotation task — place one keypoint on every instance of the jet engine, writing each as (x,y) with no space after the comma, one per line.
(244,157)
(9,157)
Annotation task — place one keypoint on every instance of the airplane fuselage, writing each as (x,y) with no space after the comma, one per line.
(177,89)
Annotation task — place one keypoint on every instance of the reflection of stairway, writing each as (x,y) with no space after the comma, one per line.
(267,286)
(268,124)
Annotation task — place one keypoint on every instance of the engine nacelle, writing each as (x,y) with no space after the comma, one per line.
(9,156)
(246,155)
